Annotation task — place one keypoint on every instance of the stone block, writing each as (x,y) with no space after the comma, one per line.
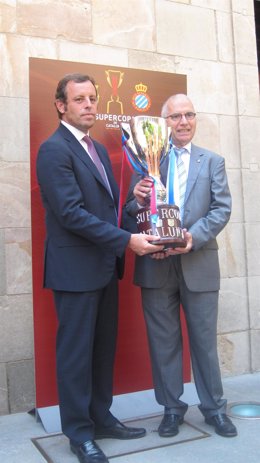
(207,131)
(245,7)
(15,195)
(4,408)
(211,85)
(222,252)
(90,53)
(253,300)
(181,39)
(219,5)
(253,248)
(233,305)
(21,385)
(244,39)
(250,140)
(139,59)
(235,186)
(18,261)
(251,190)
(181,1)
(8,16)
(13,134)
(2,263)
(225,37)
(255,343)
(15,63)
(229,141)
(40,19)
(16,328)
(234,353)
(232,258)
(247,90)
(129,27)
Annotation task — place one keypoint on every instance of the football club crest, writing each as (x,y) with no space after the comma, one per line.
(141,100)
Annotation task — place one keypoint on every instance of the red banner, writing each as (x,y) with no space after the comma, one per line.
(123,93)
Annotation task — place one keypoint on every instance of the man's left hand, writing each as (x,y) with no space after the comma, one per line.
(175,251)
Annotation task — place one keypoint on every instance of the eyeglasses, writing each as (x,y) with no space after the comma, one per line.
(178,116)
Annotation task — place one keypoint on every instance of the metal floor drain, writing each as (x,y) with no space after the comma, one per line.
(244,410)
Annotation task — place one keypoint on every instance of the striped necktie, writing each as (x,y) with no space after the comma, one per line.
(182,176)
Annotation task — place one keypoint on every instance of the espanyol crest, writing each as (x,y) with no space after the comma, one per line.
(141,100)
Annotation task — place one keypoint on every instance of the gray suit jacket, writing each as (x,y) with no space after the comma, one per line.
(207,210)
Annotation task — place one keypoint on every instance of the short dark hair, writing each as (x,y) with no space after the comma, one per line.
(61,91)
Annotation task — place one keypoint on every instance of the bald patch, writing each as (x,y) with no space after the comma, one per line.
(174,99)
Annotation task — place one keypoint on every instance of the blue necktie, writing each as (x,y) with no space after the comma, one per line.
(182,176)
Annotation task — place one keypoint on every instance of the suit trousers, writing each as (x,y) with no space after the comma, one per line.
(162,315)
(85,351)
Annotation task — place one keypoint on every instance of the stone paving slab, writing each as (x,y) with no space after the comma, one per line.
(23,438)
(55,448)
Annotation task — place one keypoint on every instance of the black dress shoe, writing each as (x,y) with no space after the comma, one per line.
(169,426)
(223,425)
(89,452)
(119,431)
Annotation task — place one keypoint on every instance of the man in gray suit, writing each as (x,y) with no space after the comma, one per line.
(186,276)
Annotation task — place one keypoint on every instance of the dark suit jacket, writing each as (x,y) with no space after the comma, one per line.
(83,243)
(207,209)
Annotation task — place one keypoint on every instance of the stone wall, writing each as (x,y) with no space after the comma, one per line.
(213,43)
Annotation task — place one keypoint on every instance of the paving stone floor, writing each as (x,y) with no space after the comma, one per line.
(24,440)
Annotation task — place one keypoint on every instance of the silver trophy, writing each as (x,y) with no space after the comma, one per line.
(145,141)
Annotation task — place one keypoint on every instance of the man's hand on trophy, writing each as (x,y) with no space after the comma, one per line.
(185,250)
(142,191)
(159,255)
(140,244)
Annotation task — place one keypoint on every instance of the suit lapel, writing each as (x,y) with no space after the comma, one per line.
(109,172)
(197,159)
(79,151)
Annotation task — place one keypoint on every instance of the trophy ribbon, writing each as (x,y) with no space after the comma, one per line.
(153,203)
(131,161)
(139,169)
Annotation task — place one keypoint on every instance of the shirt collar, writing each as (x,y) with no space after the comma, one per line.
(187,147)
(78,134)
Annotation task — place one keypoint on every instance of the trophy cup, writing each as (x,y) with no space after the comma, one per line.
(115,79)
(145,143)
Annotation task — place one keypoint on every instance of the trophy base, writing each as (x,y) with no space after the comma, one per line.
(170,243)
(166,226)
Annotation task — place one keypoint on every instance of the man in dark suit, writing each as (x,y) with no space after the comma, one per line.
(84,251)
(188,276)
